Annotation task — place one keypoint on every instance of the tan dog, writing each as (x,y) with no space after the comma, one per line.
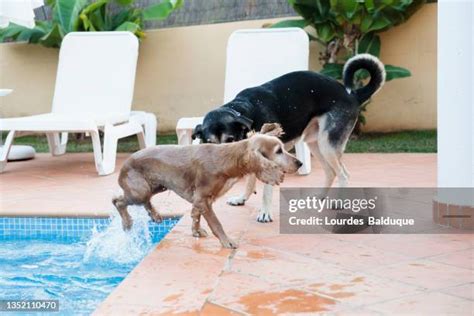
(200,174)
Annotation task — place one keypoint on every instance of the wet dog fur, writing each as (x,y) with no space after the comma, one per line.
(201,174)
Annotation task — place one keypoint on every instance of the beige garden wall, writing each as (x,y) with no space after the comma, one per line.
(181,73)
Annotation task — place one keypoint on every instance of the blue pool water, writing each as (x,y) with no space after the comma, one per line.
(78,261)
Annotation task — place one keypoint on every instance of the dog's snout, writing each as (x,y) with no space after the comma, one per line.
(298,163)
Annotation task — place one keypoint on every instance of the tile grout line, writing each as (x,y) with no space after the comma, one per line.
(226,307)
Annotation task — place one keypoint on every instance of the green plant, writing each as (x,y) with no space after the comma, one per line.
(348,27)
(85,15)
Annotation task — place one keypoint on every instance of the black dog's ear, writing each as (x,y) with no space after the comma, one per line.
(245,121)
(197,133)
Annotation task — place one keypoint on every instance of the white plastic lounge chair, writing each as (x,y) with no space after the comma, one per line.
(253,57)
(94,90)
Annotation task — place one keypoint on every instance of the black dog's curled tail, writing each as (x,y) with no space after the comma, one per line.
(377,75)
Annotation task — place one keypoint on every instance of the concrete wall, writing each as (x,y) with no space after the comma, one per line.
(181,73)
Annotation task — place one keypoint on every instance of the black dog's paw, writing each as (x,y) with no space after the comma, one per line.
(236,200)
(264,217)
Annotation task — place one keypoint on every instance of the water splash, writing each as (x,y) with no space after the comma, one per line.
(115,245)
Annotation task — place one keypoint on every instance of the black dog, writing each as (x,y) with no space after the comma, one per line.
(307,105)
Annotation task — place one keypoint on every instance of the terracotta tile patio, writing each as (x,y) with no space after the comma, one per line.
(269,273)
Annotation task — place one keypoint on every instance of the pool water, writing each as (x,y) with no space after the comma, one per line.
(76,261)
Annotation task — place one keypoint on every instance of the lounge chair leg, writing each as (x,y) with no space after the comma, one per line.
(110,149)
(6,150)
(143,140)
(64,140)
(97,152)
(150,129)
(105,160)
(304,155)
(57,143)
(184,136)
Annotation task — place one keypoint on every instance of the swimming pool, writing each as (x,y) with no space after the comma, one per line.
(77,261)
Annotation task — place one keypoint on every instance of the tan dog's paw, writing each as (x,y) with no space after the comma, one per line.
(127,223)
(200,233)
(229,244)
(156,217)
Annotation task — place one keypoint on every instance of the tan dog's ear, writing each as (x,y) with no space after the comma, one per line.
(272,129)
(267,171)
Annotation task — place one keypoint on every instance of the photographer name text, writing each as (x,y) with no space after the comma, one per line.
(351,221)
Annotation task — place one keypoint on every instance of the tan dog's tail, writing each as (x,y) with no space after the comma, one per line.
(270,129)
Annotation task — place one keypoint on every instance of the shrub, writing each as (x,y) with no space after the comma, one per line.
(84,15)
(348,27)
